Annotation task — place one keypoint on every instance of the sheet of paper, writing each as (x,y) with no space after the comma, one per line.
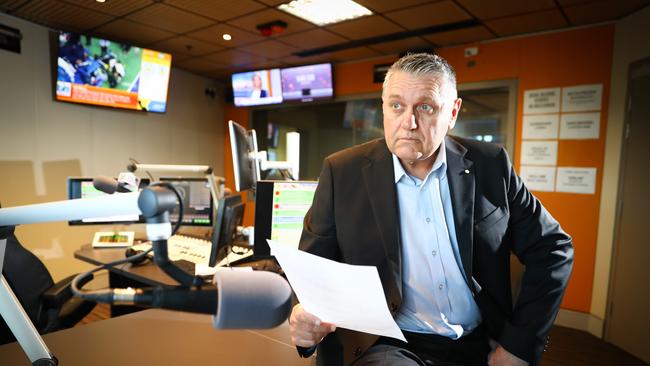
(582,98)
(541,126)
(348,296)
(539,153)
(538,178)
(542,101)
(580,126)
(576,180)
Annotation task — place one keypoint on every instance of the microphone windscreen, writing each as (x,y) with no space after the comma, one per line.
(251,300)
(105,184)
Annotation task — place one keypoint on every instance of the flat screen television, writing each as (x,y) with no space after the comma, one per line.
(307,83)
(101,72)
(257,87)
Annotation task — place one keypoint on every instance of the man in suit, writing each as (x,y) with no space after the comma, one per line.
(438,216)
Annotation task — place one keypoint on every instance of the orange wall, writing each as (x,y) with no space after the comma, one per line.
(582,56)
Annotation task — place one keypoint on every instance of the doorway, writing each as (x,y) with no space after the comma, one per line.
(628,322)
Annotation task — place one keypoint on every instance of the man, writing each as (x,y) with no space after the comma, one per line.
(438,216)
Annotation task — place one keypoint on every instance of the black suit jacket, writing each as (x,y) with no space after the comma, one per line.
(354,219)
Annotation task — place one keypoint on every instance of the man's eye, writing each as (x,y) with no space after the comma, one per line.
(396,106)
(426,108)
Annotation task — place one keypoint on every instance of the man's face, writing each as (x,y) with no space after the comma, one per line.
(418,112)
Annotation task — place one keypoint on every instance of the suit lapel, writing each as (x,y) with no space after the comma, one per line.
(461,185)
(380,184)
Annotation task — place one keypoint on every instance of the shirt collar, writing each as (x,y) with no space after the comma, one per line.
(439,165)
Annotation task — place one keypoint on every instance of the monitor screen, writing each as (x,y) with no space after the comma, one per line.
(257,87)
(83,188)
(307,83)
(230,214)
(101,72)
(197,201)
(280,208)
(243,145)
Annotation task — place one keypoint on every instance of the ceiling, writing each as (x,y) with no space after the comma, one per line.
(192,29)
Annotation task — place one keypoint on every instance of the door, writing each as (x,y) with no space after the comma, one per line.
(629,321)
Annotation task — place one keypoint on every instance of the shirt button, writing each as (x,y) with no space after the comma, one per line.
(428,220)
(433,252)
(440,286)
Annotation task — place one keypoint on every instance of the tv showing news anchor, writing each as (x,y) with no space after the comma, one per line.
(257,87)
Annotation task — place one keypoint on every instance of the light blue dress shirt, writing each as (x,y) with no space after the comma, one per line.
(436,298)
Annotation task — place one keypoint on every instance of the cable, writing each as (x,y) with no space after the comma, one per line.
(170,186)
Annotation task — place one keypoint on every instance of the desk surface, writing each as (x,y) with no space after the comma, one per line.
(160,337)
(146,273)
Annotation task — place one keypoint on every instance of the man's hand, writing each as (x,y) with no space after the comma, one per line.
(500,357)
(306,329)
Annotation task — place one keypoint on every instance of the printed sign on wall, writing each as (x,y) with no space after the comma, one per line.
(542,101)
(576,180)
(543,126)
(538,178)
(582,98)
(580,126)
(539,153)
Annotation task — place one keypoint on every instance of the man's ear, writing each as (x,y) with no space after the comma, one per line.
(455,110)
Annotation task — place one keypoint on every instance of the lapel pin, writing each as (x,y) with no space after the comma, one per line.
(466,171)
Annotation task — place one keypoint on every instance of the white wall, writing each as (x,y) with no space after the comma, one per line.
(630,44)
(43,141)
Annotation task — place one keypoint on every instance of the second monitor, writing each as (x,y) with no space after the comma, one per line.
(197,200)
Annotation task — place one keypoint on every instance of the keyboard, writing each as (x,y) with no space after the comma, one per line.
(197,251)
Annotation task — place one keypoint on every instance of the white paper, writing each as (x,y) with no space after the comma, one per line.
(582,98)
(580,126)
(542,101)
(543,126)
(539,153)
(538,178)
(345,295)
(201,269)
(576,180)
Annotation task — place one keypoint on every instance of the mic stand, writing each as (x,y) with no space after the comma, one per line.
(20,324)
(155,203)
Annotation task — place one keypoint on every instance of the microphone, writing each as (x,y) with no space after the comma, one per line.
(240,299)
(110,185)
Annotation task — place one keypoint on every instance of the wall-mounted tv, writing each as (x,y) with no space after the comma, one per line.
(307,83)
(101,72)
(257,87)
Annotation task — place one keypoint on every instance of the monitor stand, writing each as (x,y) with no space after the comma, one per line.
(18,321)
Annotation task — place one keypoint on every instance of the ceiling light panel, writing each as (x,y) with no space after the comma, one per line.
(323,12)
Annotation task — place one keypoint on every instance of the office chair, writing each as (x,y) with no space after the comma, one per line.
(49,305)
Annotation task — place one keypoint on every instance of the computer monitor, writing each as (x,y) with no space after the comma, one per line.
(82,187)
(197,200)
(243,145)
(230,214)
(280,208)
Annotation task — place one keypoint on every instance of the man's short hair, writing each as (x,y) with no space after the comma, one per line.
(421,64)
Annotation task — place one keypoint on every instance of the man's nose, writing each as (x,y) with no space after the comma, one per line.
(409,122)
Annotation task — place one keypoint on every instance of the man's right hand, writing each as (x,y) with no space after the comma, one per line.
(306,329)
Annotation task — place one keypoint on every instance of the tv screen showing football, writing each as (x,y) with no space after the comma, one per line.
(107,73)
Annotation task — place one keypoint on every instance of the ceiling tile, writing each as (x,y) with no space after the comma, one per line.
(169,18)
(136,33)
(199,64)
(217,9)
(488,9)
(602,10)
(8,5)
(270,49)
(61,15)
(383,5)
(528,23)
(428,15)
(396,47)
(235,58)
(112,7)
(460,36)
(313,39)
(356,53)
(186,46)
(250,22)
(214,34)
(274,2)
(365,27)
(297,60)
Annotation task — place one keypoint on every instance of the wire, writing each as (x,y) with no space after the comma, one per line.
(170,186)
